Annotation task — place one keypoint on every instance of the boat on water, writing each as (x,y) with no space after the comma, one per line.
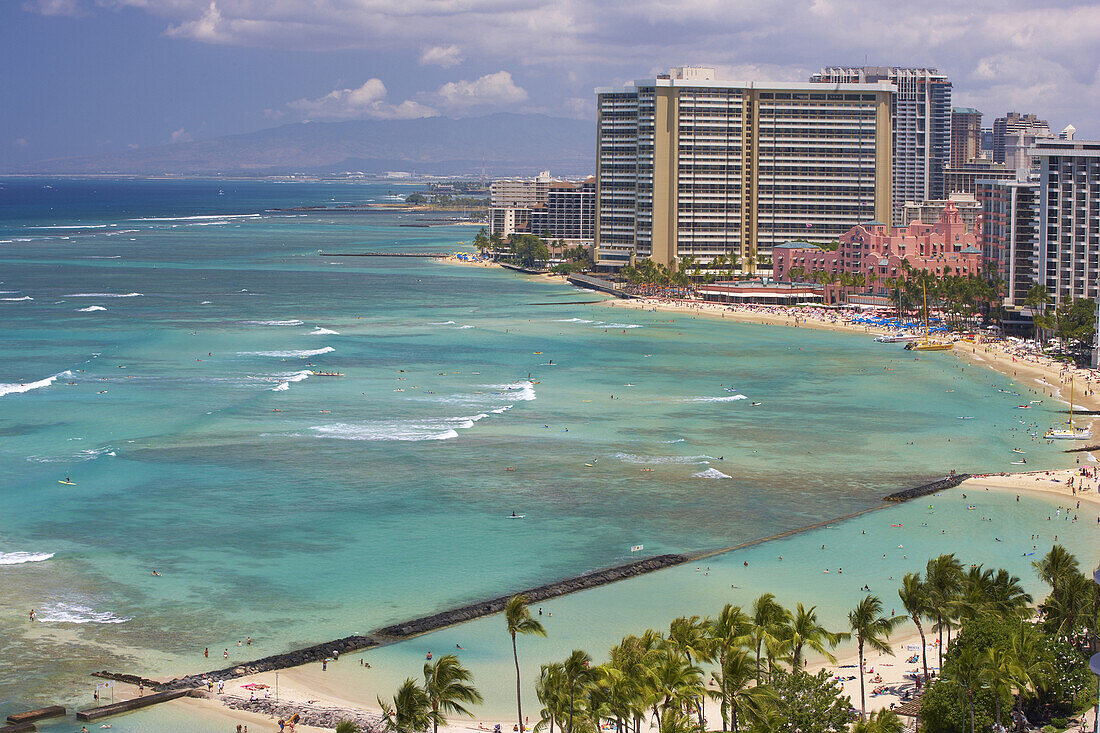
(895,338)
(327,374)
(925,343)
(1070,432)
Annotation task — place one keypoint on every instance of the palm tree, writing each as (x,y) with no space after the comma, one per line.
(347,726)
(873,630)
(1037,299)
(447,683)
(804,631)
(918,604)
(676,682)
(1028,671)
(742,701)
(767,619)
(883,721)
(1055,567)
(728,633)
(996,675)
(549,688)
(577,673)
(519,621)
(410,711)
(943,576)
(688,635)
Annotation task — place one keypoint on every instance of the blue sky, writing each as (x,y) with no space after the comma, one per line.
(89,76)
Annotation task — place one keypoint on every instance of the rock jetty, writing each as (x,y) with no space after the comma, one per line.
(315,715)
(915,493)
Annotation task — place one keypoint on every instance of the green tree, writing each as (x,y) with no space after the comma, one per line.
(918,604)
(410,711)
(519,621)
(804,631)
(481,241)
(872,630)
(943,578)
(577,674)
(883,721)
(806,703)
(742,701)
(449,690)
(346,726)
(1037,299)
(768,620)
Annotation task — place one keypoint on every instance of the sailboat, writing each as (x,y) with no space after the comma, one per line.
(1070,433)
(926,344)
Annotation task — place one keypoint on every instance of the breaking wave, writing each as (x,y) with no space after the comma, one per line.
(662,460)
(710,473)
(289,354)
(13,300)
(399,430)
(103,295)
(731,398)
(323,332)
(77,613)
(18,558)
(91,309)
(272,323)
(12,388)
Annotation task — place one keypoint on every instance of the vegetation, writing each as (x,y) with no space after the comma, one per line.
(1001,668)
(447,201)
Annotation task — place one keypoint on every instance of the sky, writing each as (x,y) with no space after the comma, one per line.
(92,76)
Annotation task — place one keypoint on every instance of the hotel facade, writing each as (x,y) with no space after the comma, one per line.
(688,165)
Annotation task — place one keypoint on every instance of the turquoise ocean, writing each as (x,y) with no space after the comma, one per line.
(158,338)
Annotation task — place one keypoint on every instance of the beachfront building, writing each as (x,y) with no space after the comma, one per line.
(878,251)
(966,135)
(928,212)
(965,178)
(1069,217)
(921,121)
(544,206)
(1010,236)
(690,165)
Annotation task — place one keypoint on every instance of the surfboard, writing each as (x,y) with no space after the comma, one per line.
(67,483)
(516,516)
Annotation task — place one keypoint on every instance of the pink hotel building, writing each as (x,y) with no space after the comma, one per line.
(878,250)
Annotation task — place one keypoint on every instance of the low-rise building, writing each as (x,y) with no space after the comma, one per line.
(545,207)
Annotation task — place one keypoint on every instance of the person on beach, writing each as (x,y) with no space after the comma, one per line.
(226,654)
(206,652)
(33,615)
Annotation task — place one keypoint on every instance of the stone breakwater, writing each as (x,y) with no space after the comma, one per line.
(296,658)
(453,616)
(915,493)
(313,715)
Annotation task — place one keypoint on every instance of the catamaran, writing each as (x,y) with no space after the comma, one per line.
(926,344)
(895,338)
(1070,433)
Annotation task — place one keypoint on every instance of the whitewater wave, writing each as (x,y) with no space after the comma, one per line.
(281,387)
(516,391)
(573,320)
(616,325)
(12,388)
(289,354)
(91,309)
(730,398)
(84,455)
(198,218)
(14,300)
(662,460)
(678,440)
(104,295)
(77,613)
(18,558)
(74,226)
(441,323)
(272,323)
(323,332)
(710,473)
(399,430)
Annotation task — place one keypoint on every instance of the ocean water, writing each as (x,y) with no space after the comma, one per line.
(158,338)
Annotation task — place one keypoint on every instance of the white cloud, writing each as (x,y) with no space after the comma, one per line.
(445,56)
(181,136)
(366,101)
(491,90)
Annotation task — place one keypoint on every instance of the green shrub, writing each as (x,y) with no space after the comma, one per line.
(1060,723)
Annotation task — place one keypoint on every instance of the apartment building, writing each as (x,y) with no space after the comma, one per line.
(928,212)
(921,120)
(688,164)
(966,135)
(544,206)
(1069,217)
(1010,234)
(1014,123)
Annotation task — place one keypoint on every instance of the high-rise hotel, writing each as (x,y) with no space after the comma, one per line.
(688,165)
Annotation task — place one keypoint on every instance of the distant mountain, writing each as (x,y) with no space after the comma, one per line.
(504,143)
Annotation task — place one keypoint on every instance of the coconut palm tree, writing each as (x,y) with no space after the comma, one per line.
(1055,567)
(996,675)
(730,631)
(803,630)
(1028,671)
(918,604)
(768,619)
(943,577)
(519,621)
(347,726)
(448,686)
(410,711)
(676,682)
(577,673)
(1008,597)
(871,629)
(550,691)
(742,701)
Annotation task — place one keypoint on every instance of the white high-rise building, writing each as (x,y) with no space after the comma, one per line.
(1069,217)
(689,165)
(921,116)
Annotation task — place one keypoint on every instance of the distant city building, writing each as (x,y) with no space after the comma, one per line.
(987,142)
(878,251)
(921,120)
(1067,132)
(693,166)
(1069,217)
(966,135)
(1011,124)
(1010,234)
(545,207)
(964,179)
(928,212)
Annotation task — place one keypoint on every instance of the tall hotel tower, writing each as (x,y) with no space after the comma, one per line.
(688,165)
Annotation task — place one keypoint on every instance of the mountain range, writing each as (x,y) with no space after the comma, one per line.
(500,144)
